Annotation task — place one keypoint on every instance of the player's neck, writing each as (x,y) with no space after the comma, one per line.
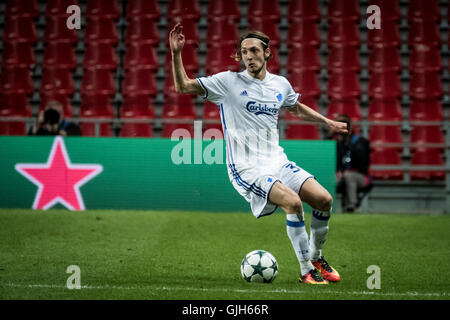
(260,74)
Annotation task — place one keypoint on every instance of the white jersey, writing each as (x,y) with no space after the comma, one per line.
(249,110)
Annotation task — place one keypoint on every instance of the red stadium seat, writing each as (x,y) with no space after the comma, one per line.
(386,157)
(305,82)
(385,110)
(101,30)
(211,117)
(190,30)
(310,102)
(139,82)
(19,29)
(424,58)
(343,33)
(22,8)
(384,58)
(14,105)
(101,56)
(136,129)
(429,136)
(178,112)
(58,7)
(179,106)
(384,85)
(344,9)
(426,111)
(88,129)
(170,128)
(304,32)
(18,54)
(13,128)
(143,8)
(97,82)
(300,131)
(427,157)
(137,106)
(425,85)
(302,57)
(304,9)
(222,31)
(419,10)
(219,58)
(186,9)
(103,8)
(96,107)
(142,30)
(142,56)
(274,64)
(57,81)
(344,58)
(390,9)
(59,55)
(424,32)
(349,107)
(190,60)
(388,35)
(16,80)
(263,9)
(385,136)
(56,30)
(46,97)
(343,85)
(270,29)
(224,8)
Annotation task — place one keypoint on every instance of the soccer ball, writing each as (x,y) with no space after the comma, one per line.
(259,266)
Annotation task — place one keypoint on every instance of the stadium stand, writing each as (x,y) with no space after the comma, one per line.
(114,74)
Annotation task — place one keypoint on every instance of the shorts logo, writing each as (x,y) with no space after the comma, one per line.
(261,108)
(269,179)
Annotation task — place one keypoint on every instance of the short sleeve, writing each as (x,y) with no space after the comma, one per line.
(291,96)
(216,86)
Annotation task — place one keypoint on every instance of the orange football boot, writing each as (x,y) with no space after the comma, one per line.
(313,277)
(326,270)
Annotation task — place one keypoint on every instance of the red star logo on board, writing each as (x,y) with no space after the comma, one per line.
(58,180)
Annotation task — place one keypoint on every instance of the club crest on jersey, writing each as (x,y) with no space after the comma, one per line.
(279,97)
(258,108)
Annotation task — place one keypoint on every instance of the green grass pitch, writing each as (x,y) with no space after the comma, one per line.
(197,255)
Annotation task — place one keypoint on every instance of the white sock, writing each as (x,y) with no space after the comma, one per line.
(319,231)
(299,238)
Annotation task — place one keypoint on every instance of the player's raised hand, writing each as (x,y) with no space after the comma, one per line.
(338,127)
(176,38)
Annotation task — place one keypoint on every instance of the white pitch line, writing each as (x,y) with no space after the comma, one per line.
(164,288)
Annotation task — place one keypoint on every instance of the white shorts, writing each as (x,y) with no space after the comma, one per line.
(256,189)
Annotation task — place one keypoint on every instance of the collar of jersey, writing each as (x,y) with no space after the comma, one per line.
(245,74)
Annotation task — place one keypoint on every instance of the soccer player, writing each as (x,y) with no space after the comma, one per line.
(249,103)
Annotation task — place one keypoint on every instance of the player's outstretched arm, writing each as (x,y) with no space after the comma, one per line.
(183,84)
(307,114)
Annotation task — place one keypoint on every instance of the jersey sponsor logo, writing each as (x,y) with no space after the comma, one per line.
(258,108)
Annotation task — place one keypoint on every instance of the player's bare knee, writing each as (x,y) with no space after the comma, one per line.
(326,202)
(295,205)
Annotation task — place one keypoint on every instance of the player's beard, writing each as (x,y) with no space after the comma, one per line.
(256,72)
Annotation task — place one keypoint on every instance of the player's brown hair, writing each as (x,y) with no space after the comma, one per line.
(252,34)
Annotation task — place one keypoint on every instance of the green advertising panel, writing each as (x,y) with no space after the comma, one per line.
(134,173)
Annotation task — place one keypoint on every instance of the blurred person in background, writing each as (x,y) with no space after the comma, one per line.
(51,122)
(352,166)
